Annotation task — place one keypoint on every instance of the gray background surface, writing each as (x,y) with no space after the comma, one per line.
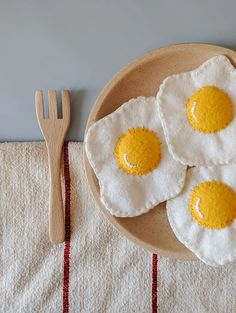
(81,44)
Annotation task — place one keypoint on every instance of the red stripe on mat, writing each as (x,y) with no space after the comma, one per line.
(154,282)
(67,230)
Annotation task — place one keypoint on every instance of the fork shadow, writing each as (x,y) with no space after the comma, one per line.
(77,103)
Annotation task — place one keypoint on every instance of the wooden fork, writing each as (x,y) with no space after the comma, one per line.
(54,131)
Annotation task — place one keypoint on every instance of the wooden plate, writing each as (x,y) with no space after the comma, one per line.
(143,77)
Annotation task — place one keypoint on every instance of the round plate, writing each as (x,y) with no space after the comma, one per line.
(142,77)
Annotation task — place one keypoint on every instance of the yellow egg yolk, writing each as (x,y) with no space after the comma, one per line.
(138,151)
(209,109)
(213,204)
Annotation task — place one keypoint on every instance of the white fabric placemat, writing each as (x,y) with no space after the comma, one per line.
(97,269)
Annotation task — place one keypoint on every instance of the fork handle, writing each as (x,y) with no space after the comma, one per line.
(56,210)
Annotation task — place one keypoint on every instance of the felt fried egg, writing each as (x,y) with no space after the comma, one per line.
(197,111)
(203,215)
(129,155)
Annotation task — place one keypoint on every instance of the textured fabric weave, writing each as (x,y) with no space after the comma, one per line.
(96,270)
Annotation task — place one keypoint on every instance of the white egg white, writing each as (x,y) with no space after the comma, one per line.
(213,246)
(186,144)
(121,193)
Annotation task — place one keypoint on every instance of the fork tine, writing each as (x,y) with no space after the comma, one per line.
(39,105)
(65,97)
(52,104)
